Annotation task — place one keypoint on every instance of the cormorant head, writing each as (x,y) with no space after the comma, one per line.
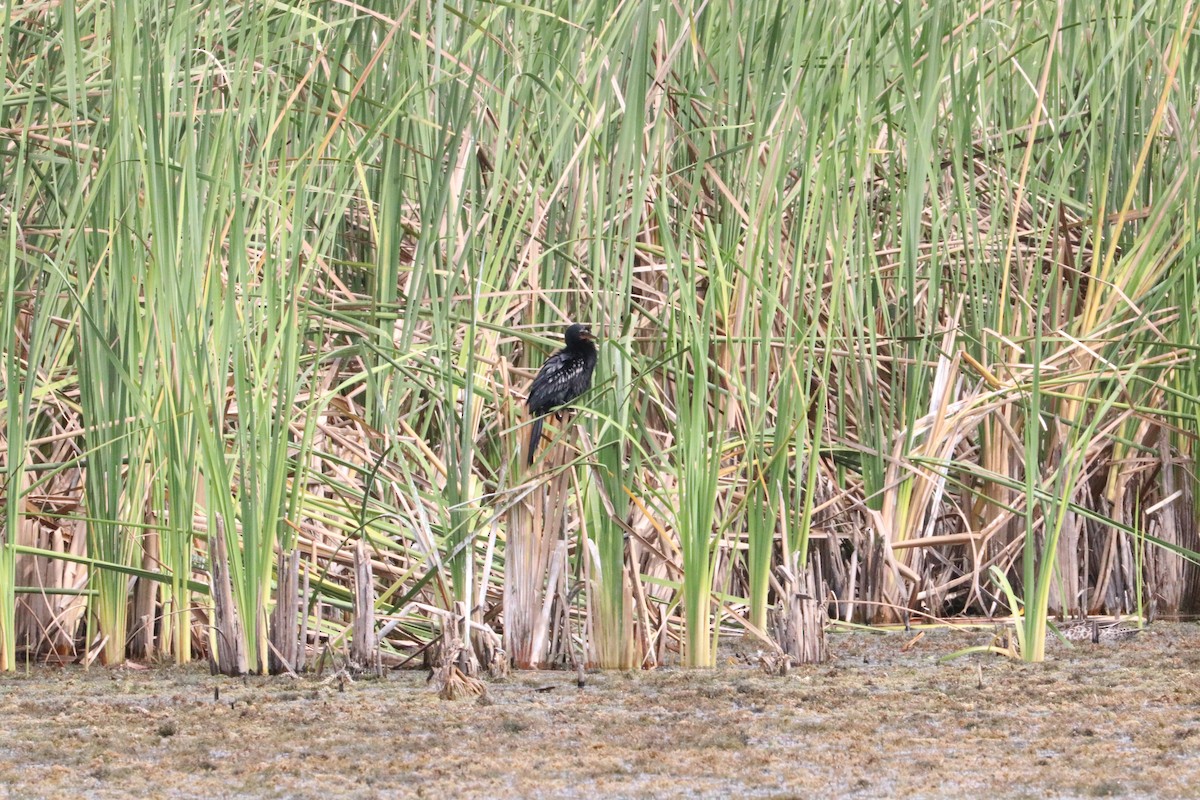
(578,333)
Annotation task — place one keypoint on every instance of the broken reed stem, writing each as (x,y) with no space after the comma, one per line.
(230,646)
(535,558)
(798,621)
(362,642)
(285,644)
(302,652)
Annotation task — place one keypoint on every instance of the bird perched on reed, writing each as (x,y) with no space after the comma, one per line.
(565,375)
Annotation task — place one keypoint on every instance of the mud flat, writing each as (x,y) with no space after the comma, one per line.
(1107,720)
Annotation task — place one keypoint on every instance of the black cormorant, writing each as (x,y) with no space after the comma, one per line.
(565,375)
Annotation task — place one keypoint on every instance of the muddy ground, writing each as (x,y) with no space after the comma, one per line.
(1107,720)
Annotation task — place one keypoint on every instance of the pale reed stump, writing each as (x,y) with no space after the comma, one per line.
(798,621)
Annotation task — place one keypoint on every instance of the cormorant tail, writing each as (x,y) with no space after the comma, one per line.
(535,437)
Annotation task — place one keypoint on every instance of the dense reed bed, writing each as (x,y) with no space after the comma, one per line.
(898,306)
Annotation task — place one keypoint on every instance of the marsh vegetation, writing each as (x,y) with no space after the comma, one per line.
(897,307)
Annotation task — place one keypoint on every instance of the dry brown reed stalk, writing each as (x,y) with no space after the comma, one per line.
(536,566)
(229,655)
(799,618)
(362,640)
(451,677)
(284,631)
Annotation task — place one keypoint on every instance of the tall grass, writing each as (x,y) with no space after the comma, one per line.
(14,461)
(900,295)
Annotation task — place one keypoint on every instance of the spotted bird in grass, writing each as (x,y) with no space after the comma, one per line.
(565,375)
